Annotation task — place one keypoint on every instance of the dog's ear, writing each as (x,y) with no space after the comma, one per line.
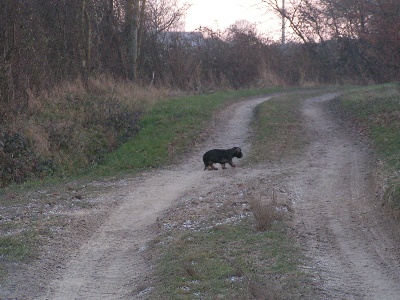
(238,150)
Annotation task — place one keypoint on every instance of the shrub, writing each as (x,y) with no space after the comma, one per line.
(265,209)
(16,158)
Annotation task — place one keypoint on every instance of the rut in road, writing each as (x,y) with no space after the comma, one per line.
(109,265)
(352,244)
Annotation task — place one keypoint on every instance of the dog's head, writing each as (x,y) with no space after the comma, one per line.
(237,152)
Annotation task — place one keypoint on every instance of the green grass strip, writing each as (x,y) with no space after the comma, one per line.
(230,262)
(169,127)
(278,127)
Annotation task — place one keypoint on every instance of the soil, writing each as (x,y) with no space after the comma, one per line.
(353,247)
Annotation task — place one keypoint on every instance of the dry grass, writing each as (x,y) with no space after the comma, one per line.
(262,290)
(387,191)
(73,125)
(265,208)
(127,92)
(107,87)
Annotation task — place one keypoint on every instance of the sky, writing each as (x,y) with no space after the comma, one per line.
(220,14)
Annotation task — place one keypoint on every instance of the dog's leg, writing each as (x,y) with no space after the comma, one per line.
(232,164)
(211,167)
(223,166)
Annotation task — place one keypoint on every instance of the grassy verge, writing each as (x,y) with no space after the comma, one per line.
(71,128)
(375,110)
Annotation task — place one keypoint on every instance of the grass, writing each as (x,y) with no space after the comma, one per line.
(15,247)
(70,128)
(377,108)
(230,262)
(278,127)
(375,111)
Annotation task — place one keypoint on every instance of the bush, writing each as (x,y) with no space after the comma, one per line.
(265,209)
(16,158)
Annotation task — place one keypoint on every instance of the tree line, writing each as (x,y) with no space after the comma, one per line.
(45,42)
(360,38)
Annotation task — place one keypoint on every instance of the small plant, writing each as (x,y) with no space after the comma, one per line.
(265,209)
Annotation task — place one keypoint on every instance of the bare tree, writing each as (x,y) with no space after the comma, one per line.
(84,42)
(160,17)
(132,20)
(163,15)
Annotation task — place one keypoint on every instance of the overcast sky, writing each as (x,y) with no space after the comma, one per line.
(219,14)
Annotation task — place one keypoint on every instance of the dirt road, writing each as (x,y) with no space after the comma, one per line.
(353,245)
(109,264)
(354,253)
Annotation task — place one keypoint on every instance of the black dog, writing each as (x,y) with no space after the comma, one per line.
(222,157)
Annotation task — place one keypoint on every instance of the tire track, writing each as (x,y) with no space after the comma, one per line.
(339,226)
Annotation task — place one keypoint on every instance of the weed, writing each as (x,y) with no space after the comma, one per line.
(265,209)
(17,160)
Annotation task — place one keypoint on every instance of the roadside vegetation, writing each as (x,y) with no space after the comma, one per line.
(232,261)
(375,112)
(70,129)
